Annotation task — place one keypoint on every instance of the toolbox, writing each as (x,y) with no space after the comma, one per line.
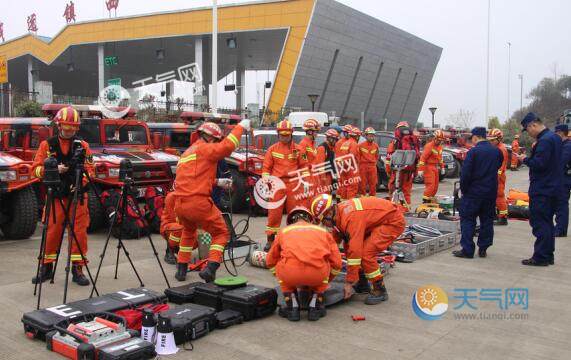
(209,294)
(182,294)
(251,300)
(227,318)
(130,349)
(38,323)
(190,321)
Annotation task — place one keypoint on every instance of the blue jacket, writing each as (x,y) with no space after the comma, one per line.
(545,173)
(566,161)
(479,177)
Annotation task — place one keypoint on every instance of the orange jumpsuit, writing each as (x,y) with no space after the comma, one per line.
(406,175)
(309,154)
(171,229)
(368,157)
(501,203)
(371,224)
(348,167)
(431,163)
(285,162)
(304,255)
(326,177)
(515,153)
(55,230)
(194,208)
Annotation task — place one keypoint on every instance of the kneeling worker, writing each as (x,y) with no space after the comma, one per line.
(304,256)
(371,224)
(171,229)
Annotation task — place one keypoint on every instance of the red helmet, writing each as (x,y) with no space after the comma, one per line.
(355,131)
(284,126)
(311,124)
(298,210)
(439,135)
(402,124)
(210,128)
(495,134)
(332,133)
(320,205)
(67,116)
(347,128)
(370,130)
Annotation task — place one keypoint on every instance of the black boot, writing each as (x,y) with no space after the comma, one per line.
(291,308)
(77,276)
(170,257)
(362,286)
(377,294)
(181,269)
(501,221)
(269,243)
(209,272)
(317,310)
(45,273)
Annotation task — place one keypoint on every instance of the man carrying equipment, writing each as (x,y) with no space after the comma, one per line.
(404,140)
(64,147)
(326,154)
(304,256)
(371,225)
(515,153)
(496,136)
(431,166)
(284,160)
(194,207)
(368,158)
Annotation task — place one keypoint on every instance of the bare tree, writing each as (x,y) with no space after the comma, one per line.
(461,119)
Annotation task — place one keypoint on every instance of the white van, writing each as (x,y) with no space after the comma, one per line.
(298,118)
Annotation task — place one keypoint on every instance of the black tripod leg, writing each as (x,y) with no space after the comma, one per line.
(38,287)
(123,204)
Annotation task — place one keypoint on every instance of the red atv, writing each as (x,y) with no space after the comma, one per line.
(112,140)
(175,138)
(19,205)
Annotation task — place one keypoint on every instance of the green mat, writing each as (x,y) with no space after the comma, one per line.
(231,281)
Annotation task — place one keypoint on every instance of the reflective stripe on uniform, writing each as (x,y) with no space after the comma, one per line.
(326,281)
(50,256)
(364,150)
(215,247)
(503,212)
(335,272)
(420,163)
(38,172)
(499,172)
(278,155)
(185,249)
(358,204)
(434,151)
(187,158)
(292,156)
(274,229)
(234,140)
(373,274)
(308,227)
(174,238)
(273,270)
(354,262)
(76,257)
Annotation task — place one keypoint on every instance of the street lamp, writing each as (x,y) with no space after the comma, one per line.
(520,76)
(509,76)
(432,110)
(313,99)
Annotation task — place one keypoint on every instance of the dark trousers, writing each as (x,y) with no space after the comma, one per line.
(541,212)
(470,209)
(562,214)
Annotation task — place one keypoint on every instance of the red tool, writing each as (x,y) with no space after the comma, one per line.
(358,317)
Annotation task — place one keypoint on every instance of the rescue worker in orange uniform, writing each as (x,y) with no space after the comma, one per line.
(346,134)
(309,153)
(171,229)
(404,140)
(194,207)
(371,225)
(368,158)
(431,166)
(515,152)
(325,159)
(496,136)
(63,147)
(304,256)
(347,163)
(284,160)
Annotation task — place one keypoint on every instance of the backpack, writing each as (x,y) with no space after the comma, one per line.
(154,206)
(133,225)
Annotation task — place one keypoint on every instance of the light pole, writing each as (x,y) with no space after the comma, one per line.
(509,75)
(520,76)
(432,110)
(214,98)
(313,99)
(488,66)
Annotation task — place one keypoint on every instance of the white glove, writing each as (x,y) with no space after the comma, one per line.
(442,171)
(225,184)
(245,124)
(420,173)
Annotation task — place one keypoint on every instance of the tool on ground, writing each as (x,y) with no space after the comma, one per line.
(358,317)
(149,326)
(165,344)
(401,159)
(231,282)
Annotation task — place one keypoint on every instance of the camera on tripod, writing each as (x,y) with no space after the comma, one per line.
(78,157)
(51,172)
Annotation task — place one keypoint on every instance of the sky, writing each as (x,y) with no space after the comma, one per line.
(537,30)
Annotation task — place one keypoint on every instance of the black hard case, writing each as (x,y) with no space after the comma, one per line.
(210,295)
(182,294)
(252,301)
(190,321)
(128,349)
(227,318)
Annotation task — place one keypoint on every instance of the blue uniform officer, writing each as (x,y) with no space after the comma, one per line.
(479,187)
(545,187)
(562,212)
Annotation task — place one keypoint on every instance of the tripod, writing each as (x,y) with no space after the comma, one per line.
(125,175)
(52,181)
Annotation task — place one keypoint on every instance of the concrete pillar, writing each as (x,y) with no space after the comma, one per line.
(240,86)
(201,85)
(169,90)
(31,78)
(199,63)
(101,67)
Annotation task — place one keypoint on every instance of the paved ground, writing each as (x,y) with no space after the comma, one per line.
(391,329)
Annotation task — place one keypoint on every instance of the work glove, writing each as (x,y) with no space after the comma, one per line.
(225,184)
(245,124)
(442,171)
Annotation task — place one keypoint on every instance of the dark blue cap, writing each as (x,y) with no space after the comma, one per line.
(527,119)
(562,127)
(479,131)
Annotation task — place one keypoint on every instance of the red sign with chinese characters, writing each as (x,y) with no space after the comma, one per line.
(32,25)
(69,13)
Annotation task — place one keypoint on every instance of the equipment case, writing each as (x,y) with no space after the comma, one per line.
(210,295)
(130,349)
(182,294)
(39,322)
(251,300)
(227,318)
(190,321)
